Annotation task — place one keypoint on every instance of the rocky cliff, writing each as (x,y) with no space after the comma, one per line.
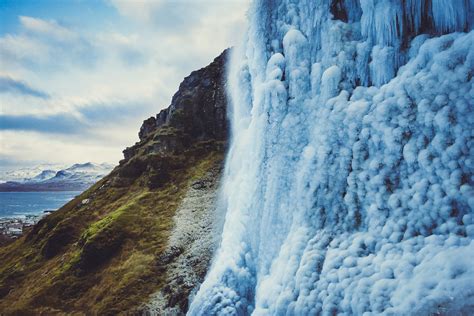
(139,240)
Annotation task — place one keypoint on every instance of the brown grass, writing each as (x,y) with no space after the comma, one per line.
(99,258)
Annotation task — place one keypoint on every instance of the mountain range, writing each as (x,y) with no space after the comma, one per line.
(77,177)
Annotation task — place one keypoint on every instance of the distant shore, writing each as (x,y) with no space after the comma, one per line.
(42,187)
(12,228)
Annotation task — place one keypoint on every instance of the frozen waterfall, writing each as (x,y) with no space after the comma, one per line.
(349,182)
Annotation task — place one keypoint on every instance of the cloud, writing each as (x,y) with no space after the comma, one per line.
(42,44)
(30,148)
(48,28)
(128,49)
(113,112)
(104,76)
(171,17)
(63,123)
(17,49)
(10,85)
(137,10)
(84,119)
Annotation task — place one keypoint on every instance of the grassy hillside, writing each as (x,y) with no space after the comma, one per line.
(100,253)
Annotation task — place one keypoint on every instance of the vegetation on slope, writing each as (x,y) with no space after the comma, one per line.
(99,257)
(99,254)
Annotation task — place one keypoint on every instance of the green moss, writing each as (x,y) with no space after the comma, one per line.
(179,115)
(66,266)
(96,227)
(167,130)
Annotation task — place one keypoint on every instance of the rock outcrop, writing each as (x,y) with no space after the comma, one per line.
(197,113)
(140,240)
(199,107)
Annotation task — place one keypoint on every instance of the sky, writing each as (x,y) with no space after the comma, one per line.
(78,77)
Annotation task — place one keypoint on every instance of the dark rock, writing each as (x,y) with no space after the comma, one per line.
(197,113)
(5,290)
(148,126)
(346,10)
(168,256)
(338,10)
(133,169)
(167,289)
(161,118)
(201,184)
(167,145)
(129,152)
(158,179)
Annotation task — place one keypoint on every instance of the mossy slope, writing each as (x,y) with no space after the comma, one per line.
(98,257)
(98,253)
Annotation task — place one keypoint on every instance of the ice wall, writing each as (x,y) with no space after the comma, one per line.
(349,182)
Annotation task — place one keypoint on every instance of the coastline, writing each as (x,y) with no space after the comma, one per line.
(15,222)
(14,227)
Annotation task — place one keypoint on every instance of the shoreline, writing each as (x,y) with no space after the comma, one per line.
(15,222)
(12,228)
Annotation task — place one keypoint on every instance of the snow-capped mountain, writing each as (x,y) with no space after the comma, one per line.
(86,172)
(43,175)
(76,177)
(26,173)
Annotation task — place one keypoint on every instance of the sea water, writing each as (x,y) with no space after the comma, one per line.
(19,204)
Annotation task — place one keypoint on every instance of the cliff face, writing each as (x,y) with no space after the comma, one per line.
(197,113)
(140,239)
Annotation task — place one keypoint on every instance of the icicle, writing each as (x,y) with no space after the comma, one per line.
(329,83)
(295,48)
(450,15)
(414,12)
(382,67)
(382,21)
(362,63)
(316,73)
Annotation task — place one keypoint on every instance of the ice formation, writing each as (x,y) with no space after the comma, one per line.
(349,182)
